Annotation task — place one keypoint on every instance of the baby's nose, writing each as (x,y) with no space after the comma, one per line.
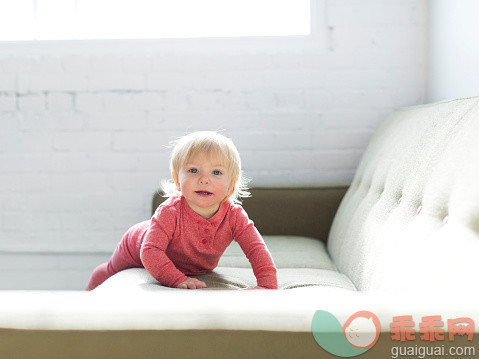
(204,180)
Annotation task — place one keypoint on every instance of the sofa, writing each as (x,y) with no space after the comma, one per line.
(401,242)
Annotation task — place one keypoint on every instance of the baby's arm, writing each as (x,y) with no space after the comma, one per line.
(255,249)
(154,258)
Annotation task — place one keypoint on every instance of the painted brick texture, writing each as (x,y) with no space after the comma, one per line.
(83,136)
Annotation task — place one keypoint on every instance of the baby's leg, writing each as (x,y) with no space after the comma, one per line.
(117,263)
(123,257)
(100,274)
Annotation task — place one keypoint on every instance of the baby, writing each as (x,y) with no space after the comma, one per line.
(190,230)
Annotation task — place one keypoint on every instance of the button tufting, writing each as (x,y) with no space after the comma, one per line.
(445,219)
(204,241)
(399,200)
(419,209)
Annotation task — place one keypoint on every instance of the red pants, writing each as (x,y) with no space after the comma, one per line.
(126,255)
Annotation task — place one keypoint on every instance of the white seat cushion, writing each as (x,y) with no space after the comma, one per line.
(300,262)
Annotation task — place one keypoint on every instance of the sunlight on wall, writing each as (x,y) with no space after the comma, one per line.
(146,19)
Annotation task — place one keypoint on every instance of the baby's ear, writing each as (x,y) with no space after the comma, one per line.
(175,179)
(232,188)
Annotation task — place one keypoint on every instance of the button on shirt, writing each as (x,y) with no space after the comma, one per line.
(179,242)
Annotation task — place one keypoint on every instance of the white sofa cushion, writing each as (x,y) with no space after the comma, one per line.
(300,262)
(136,307)
(411,216)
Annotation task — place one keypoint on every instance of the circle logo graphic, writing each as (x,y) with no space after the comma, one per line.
(359,333)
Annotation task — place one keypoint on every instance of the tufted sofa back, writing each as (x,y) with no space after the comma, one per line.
(410,219)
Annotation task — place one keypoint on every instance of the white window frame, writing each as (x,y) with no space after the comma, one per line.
(318,39)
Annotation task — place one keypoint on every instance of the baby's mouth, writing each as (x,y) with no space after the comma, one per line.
(203,193)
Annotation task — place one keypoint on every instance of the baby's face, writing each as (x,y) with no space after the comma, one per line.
(204,181)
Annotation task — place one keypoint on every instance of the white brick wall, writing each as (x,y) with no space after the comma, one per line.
(82,137)
(452,29)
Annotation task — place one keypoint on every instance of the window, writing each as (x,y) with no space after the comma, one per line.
(149,19)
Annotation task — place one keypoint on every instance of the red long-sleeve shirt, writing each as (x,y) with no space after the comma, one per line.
(179,242)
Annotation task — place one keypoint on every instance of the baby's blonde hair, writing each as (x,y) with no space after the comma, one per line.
(208,142)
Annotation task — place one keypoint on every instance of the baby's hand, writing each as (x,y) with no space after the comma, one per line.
(192,283)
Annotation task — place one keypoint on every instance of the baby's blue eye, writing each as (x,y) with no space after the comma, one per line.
(216,172)
(193,170)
